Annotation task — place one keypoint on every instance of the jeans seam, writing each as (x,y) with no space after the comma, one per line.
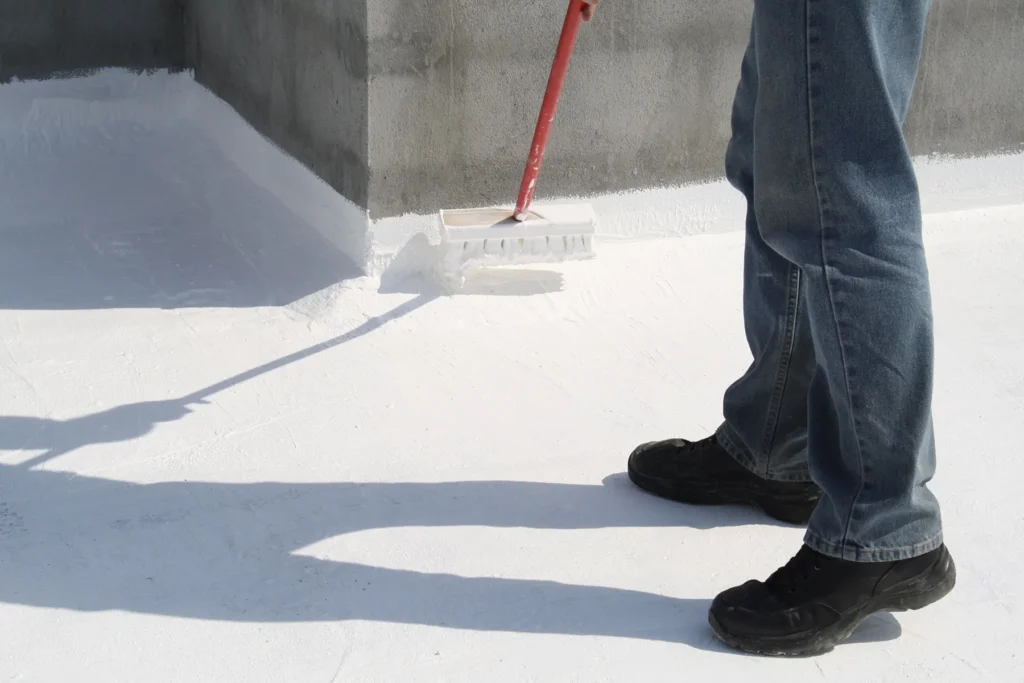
(785,362)
(821,197)
(727,441)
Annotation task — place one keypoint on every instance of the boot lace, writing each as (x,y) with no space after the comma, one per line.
(698,445)
(803,569)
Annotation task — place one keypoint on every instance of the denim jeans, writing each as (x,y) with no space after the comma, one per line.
(836,297)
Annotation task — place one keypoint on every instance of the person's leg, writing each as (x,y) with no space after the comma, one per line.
(765,429)
(835,194)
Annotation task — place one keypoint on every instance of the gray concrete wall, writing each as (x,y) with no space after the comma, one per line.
(296,69)
(455,86)
(459,83)
(970,92)
(39,38)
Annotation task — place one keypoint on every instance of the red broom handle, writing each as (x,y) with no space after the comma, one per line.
(566,43)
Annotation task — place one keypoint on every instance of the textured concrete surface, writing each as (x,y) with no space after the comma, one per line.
(456,85)
(460,83)
(970,93)
(39,38)
(296,69)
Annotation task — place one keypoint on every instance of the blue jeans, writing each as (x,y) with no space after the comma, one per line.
(836,298)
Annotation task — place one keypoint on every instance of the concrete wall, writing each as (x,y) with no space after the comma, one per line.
(296,69)
(970,92)
(455,86)
(460,82)
(41,37)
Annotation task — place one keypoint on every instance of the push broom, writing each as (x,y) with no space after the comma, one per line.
(527,233)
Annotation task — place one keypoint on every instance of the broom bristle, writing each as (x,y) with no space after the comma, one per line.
(476,238)
(477,253)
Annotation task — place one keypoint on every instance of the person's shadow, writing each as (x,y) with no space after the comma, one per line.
(231,552)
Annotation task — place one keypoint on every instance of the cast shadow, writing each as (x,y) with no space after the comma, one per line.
(132,421)
(241,552)
(878,628)
(135,420)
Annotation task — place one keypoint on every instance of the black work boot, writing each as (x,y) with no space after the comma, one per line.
(703,473)
(815,602)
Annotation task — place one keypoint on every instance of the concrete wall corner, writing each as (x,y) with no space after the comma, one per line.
(296,70)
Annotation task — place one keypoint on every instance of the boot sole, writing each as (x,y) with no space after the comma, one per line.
(790,508)
(911,597)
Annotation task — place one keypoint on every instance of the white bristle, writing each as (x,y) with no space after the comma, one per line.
(473,238)
(482,253)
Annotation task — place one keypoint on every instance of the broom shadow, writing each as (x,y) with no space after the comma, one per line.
(134,420)
(409,273)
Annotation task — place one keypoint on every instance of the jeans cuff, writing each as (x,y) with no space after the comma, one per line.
(727,440)
(853,553)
